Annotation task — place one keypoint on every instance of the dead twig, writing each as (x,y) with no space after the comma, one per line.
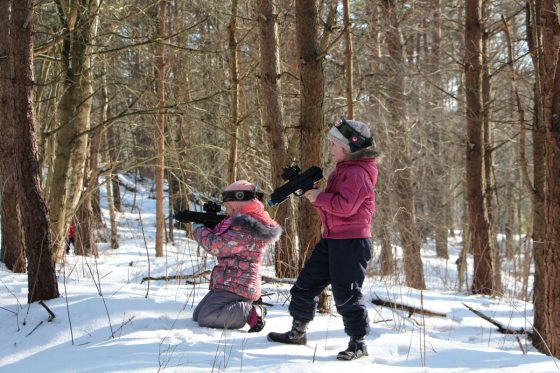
(502,329)
(35,328)
(124,324)
(51,314)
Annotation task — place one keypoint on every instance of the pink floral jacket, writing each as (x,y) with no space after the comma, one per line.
(239,243)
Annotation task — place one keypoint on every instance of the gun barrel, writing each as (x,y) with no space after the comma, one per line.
(210,220)
(303,182)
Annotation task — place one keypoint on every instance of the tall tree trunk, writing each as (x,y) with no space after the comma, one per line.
(160,133)
(382,221)
(490,194)
(234,120)
(536,189)
(42,284)
(547,314)
(311,117)
(348,65)
(86,220)
(285,259)
(111,207)
(113,169)
(439,196)
(12,251)
(403,174)
(106,158)
(483,280)
(387,259)
(79,24)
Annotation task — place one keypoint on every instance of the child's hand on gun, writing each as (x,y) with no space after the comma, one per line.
(312,194)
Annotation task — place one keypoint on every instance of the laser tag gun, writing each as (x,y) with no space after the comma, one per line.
(297,183)
(210,218)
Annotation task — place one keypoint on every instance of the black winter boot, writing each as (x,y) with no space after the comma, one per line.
(296,336)
(356,349)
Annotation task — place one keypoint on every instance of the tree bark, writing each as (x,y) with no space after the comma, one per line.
(537,188)
(42,284)
(348,65)
(550,88)
(311,117)
(13,248)
(403,173)
(285,259)
(160,133)
(439,198)
(483,280)
(12,252)
(234,108)
(73,116)
(489,180)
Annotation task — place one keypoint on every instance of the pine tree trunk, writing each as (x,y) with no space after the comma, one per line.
(439,196)
(13,248)
(234,108)
(12,252)
(348,65)
(549,306)
(285,259)
(537,189)
(404,190)
(42,283)
(106,159)
(113,171)
(387,258)
(489,182)
(73,117)
(160,133)
(311,117)
(483,276)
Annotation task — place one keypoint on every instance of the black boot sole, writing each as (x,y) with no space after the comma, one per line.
(349,355)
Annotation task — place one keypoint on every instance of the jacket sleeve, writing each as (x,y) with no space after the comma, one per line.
(220,245)
(347,199)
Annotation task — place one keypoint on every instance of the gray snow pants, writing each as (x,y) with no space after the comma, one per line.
(223,310)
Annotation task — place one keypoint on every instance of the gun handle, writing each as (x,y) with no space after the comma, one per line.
(299,192)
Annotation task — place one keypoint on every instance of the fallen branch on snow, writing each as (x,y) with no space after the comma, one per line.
(403,307)
(502,329)
(177,277)
(289,281)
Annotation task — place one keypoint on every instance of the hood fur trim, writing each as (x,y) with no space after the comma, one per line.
(368,152)
(260,231)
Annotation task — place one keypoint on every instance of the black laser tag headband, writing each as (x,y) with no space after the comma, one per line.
(241,195)
(356,140)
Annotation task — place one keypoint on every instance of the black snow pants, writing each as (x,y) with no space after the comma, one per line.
(341,263)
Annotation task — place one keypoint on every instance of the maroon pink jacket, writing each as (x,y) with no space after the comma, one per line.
(348,202)
(239,243)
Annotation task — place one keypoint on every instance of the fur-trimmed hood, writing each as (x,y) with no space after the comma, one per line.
(259,230)
(368,152)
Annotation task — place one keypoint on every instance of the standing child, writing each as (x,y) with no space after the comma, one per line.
(239,243)
(340,258)
(70,238)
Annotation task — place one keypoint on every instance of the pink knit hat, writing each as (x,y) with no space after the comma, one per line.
(241,185)
(252,207)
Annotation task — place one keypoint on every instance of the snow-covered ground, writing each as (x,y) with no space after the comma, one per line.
(108,320)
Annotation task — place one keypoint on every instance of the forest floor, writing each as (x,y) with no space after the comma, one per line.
(109,320)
